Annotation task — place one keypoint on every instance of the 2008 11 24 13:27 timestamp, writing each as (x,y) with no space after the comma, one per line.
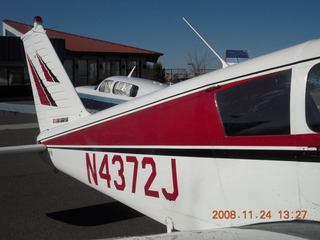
(263,214)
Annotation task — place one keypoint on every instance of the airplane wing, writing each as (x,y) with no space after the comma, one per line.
(23,149)
(294,230)
(18,108)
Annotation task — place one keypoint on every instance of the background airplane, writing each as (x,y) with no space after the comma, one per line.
(116,90)
(110,92)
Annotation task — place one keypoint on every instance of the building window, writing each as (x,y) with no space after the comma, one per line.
(257,107)
(131,65)
(68,65)
(82,72)
(26,76)
(124,68)
(313,99)
(106,69)
(12,76)
(15,75)
(3,76)
(115,68)
(87,72)
(92,72)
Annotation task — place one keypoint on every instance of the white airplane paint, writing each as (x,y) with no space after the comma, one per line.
(234,147)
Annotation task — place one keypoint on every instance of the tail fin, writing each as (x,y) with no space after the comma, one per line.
(55,98)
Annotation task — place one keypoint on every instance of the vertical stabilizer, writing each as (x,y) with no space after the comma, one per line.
(55,98)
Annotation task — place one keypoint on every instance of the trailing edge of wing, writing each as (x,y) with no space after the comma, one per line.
(23,149)
(223,234)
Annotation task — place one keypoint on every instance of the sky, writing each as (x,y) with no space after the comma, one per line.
(258,26)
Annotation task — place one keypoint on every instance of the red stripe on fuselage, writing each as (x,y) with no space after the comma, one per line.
(191,120)
(186,120)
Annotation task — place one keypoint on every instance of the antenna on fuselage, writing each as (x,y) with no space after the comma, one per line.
(130,74)
(224,64)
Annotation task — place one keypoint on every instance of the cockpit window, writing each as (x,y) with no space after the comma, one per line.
(125,89)
(257,107)
(105,86)
(313,99)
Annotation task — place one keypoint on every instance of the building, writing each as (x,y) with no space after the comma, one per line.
(86,60)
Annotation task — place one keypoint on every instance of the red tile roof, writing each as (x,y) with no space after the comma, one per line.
(78,43)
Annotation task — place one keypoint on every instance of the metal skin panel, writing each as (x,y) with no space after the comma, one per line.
(205,187)
(192,120)
(56,100)
(167,155)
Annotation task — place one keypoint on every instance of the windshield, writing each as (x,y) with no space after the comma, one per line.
(105,86)
(125,89)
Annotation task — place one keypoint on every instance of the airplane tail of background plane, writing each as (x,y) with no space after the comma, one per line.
(55,98)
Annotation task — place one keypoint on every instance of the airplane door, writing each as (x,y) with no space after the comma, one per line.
(305,120)
(298,98)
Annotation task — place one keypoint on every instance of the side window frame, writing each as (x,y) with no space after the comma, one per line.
(312,98)
(125,89)
(257,107)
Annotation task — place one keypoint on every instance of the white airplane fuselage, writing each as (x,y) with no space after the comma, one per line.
(233,147)
(167,155)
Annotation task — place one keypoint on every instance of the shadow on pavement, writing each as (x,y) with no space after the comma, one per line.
(96,215)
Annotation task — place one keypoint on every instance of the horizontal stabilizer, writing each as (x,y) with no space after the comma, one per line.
(23,149)
(18,108)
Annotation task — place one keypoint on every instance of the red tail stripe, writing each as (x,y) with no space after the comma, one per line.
(50,77)
(42,95)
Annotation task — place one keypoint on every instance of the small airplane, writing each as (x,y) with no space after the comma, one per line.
(230,148)
(116,90)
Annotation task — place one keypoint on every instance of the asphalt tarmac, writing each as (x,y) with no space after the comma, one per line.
(36,203)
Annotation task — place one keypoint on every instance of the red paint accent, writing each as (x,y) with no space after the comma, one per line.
(91,168)
(192,120)
(42,95)
(149,161)
(121,187)
(134,160)
(37,19)
(104,170)
(172,196)
(45,70)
